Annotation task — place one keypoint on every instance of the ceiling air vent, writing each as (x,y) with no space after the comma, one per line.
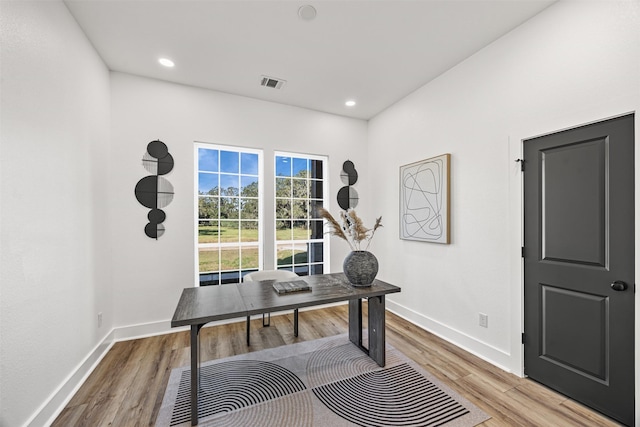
(272,82)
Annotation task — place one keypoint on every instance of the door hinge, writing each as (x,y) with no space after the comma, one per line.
(523,339)
(521,161)
(522,251)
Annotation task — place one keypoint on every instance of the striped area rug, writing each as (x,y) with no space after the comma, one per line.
(326,382)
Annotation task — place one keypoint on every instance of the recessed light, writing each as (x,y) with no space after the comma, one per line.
(166,62)
(350,103)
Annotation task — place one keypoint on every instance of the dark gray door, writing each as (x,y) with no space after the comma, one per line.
(579,264)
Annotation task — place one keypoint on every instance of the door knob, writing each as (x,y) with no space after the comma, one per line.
(619,285)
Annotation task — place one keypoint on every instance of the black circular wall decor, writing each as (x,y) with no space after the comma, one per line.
(154,191)
(347,195)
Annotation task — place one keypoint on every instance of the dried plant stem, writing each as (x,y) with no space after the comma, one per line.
(336,228)
(375,227)
(352,229)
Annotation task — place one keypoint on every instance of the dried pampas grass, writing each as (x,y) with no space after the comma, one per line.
(351,229)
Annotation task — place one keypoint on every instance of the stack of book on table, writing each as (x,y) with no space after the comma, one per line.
(289,287)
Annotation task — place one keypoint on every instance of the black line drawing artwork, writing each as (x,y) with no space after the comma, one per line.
(424,200)
(347,195)
(154,191)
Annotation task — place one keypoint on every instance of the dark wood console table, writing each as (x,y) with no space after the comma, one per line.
(201,305)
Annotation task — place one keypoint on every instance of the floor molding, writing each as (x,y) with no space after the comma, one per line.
(493,355)
(144,330)
(53,406)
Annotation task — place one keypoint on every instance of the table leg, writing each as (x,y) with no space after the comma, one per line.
(195,372)
(295,322)
(355,321)
(248,330)
(377,330)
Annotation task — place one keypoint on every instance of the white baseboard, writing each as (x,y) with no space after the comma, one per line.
(53,406)
(144,330)
(495,356)
(162,327)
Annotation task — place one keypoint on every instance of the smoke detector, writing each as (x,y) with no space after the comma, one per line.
(272,82)
(307,12)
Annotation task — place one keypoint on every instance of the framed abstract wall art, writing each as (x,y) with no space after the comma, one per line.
(424,200)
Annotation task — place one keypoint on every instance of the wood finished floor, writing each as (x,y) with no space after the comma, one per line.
(127,387)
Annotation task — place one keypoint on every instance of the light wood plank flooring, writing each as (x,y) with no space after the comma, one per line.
(127,387)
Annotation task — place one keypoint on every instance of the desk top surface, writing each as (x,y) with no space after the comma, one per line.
(200,305)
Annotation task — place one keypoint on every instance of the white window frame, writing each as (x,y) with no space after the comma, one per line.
(326,255)
(261,195)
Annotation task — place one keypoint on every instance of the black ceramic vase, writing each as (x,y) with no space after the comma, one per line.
(360,267)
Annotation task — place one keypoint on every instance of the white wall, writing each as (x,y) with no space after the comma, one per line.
(148,274)
(54,238)
(574,63)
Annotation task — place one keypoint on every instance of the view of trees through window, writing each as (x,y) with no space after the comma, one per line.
(230,218)
(299,229)
(229,238)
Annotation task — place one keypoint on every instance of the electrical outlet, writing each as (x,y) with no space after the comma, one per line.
(99,320)
(483,320)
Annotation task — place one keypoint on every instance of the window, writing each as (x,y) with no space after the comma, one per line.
(229,213)
(300,243)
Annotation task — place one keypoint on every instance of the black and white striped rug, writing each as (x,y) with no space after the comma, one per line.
(326,382)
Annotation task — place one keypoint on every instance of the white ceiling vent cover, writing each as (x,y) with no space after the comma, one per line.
(272,82)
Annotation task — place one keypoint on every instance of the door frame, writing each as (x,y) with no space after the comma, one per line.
(516,138)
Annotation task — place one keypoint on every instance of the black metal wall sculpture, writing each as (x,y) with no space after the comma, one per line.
(347,195)
(154,191)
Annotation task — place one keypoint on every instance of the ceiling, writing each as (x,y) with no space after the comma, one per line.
(374,52)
